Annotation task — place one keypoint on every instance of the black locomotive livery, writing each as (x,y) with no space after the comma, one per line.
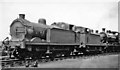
(38,40)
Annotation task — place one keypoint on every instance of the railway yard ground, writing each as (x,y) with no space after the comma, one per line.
(109,61)
(98,61)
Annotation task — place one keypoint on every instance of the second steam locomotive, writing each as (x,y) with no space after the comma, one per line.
(38,40)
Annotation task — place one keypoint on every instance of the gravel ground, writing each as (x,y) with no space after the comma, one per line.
(109,61)
(106,61)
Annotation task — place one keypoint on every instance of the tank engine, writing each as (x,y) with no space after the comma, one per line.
(38,40)
(22,31)
(34,38)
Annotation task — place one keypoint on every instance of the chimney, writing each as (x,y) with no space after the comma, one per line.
(92,31)
(96,31)
(22,16)
(103,29)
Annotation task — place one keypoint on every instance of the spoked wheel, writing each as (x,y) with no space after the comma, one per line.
(19,54)
(67,54)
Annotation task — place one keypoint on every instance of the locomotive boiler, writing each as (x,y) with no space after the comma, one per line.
(39,40)
(23,29)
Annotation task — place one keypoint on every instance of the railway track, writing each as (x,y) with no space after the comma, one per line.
(11,63)
(33,63)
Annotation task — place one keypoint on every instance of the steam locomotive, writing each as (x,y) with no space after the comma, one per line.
(38,40)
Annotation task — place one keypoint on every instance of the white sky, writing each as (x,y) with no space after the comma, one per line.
(94,14)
